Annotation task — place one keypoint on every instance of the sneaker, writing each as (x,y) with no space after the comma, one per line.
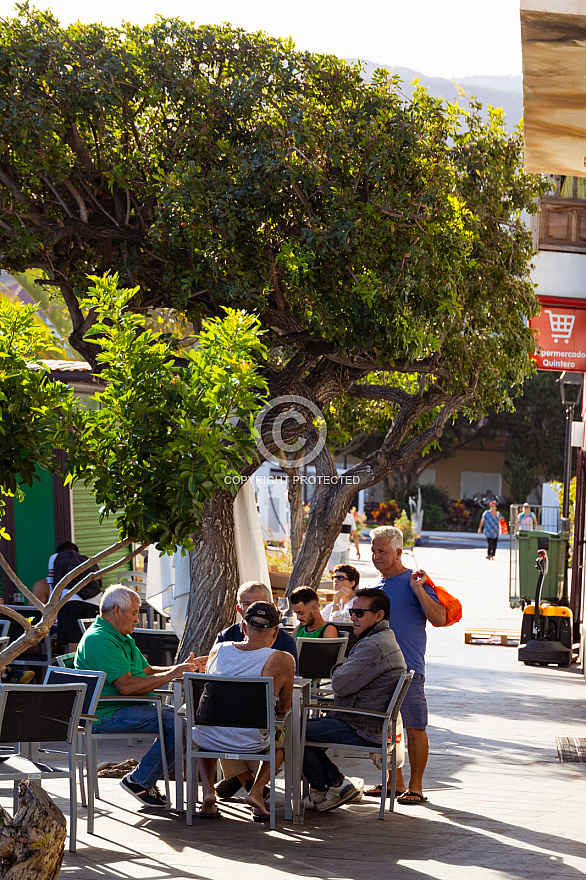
(314,798)
(151,797)
(227,788)
(358,785)
(337,795)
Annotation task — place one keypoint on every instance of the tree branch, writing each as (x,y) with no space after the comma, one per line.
(71,575)
(434,432)
(83,214)
(6,567)
(11,185)
(92,575)
(379,392)
(57,194)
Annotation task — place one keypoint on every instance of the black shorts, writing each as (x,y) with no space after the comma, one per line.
(68,628)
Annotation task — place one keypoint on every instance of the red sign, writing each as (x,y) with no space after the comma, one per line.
(560,332)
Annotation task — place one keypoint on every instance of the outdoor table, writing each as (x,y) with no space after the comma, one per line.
(301,697)
(293,785)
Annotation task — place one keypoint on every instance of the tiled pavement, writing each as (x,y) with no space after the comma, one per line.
(500,804)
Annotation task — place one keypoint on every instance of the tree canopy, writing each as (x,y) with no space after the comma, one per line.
(212,167)
(167,429)
(375,236)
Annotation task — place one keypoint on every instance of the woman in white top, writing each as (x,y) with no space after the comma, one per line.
(346,579)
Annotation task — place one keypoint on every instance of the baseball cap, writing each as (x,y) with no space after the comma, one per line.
(262,615)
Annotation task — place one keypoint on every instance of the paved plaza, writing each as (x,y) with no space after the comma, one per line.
(500,803)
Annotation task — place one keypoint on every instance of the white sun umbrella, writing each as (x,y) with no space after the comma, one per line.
(168,577)
(250,548)
(167,587)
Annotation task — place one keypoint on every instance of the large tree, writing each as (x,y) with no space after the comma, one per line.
(378,238)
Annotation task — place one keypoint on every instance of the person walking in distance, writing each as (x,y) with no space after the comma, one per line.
(491,525)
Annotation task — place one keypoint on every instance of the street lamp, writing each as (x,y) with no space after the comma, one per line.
(571,392)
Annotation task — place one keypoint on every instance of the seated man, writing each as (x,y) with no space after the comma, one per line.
(249,592)
(366,680)
(255,591)
(108,646)
(255,655)
(305,604)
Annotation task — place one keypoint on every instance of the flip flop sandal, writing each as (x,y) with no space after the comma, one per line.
(208,816)
(411,799)
(260,817)
(376,792)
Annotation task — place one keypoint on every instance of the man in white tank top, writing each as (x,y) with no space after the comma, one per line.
(254,656)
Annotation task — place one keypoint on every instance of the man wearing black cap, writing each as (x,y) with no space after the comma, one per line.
(254,656)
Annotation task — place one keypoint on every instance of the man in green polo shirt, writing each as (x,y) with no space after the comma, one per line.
(108,646)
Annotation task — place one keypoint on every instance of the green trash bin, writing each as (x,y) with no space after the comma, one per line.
(555,545)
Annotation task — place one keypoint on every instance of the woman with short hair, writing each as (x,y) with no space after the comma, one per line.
(346,580)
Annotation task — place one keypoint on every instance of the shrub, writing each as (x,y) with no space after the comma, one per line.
(386,513)
(404,524)
(434,518)
(458,517)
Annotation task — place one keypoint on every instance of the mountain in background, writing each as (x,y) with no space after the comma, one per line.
(498,91)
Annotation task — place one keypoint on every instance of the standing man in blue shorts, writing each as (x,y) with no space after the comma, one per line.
(413,603)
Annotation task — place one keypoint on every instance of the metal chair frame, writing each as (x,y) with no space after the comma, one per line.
(22,764)
(95,681)
(66,661)
(193,751)
(26,659)
(389,720)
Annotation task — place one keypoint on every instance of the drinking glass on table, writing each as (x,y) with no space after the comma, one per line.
(283,606)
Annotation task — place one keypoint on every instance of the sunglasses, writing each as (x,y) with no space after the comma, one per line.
(339,577)
(360,612)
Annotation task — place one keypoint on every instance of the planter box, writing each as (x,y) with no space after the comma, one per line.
(280,582)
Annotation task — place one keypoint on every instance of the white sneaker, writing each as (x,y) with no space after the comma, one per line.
(339,794)
(314,798)
(358,785)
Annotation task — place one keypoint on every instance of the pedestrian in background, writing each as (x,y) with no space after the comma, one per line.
(526,519)
(491,525)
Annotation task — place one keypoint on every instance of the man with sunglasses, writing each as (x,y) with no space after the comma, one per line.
(366,680)
(413,603)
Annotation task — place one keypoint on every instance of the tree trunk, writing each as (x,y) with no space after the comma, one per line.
(295,497)
(330,503)
(214,578)
(32,844)
(329,506)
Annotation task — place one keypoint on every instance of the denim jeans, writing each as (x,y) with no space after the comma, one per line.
(142,718)
(319,771)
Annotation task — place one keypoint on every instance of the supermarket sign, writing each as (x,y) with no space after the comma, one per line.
(560,332)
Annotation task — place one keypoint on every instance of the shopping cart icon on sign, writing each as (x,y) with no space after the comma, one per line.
(561,325)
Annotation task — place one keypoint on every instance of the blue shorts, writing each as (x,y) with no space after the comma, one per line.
(414,707)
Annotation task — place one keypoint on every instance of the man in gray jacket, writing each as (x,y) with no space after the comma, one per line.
(365,681)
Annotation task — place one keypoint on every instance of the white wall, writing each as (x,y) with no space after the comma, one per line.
(560,274)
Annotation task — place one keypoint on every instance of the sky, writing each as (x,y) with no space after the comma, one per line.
(447,38)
